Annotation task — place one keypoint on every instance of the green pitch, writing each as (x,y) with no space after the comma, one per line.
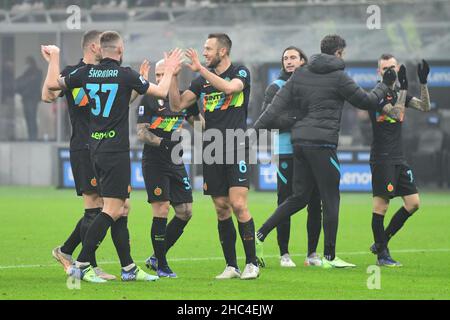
(34,220)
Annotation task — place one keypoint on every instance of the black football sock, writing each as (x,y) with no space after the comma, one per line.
(247,233)
(283,233)
(158,234)
(378,232)
(89,217)
(397,222)
(121,238)
(174,231)
(74,239)
(94,236)
(227,236)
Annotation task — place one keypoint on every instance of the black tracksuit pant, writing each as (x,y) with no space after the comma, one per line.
(314,166)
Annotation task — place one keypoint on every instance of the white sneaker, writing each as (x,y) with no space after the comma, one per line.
(64,259)
(313,260)
(250,272)
(103,275)
(286,261)
(229,273)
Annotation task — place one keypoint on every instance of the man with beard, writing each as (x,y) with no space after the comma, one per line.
(224,90)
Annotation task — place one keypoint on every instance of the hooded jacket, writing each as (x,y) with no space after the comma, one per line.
(285,121)
(317,93)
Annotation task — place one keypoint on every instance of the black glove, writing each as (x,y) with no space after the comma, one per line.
(423,69)
(389,77)
(402,78)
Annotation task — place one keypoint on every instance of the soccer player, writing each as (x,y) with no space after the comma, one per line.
(317,92)
(291,59)
(85,181)
(109,87)
(391,175)
(167,183)
(224,91)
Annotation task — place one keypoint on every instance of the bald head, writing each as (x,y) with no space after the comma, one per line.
(159,71)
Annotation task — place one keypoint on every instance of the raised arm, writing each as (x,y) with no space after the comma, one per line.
(361,99)
(171,63)
(227,87)
(48,95)
(143,71)
(53,81)
(422,104)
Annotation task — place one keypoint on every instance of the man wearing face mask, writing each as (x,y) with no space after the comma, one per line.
(391,175)
(291,59)
(318,92)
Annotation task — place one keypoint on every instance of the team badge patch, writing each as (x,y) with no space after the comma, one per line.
(141,110)
(160,102)
(93,182)
(243,73)
(284,165)
(390,187)
(157,192)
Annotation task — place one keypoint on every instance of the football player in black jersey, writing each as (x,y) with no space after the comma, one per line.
(391,175)
(109,87)
(224,91)
(167,183)
(82,170)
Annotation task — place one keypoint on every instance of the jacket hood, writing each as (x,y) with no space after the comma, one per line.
(325,63)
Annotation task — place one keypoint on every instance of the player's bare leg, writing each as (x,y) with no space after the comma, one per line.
(227,237)
(238,201)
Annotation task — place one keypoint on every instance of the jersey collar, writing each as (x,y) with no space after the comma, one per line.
(109,60)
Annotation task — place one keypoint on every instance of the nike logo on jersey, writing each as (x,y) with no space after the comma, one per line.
(242,180)
(161,109)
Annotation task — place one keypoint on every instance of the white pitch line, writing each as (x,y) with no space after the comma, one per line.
(354,253)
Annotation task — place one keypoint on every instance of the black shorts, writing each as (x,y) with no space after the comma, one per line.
(83,172)
(392,180)
(113,172)
(219,178)
(167,183)
(284,178)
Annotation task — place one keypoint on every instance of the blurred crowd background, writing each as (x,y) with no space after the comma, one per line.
(260,30)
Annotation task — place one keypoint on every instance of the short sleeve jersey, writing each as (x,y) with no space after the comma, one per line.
(387,144)
(224,111)
(79,112)
(109,87)
(163,122)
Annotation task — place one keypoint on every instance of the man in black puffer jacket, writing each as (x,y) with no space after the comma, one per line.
(318,92)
